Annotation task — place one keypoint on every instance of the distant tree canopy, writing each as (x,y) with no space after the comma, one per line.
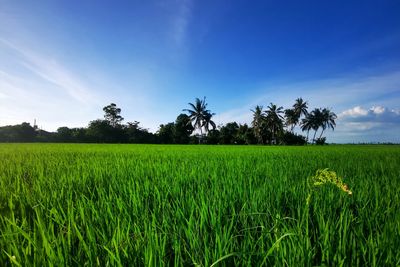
(112,115)
(23,132)
(274,125)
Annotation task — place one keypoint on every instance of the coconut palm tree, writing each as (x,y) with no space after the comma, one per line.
(300,108)
(207,121)
(328,120)
(200,116)
(306,124)
(291,119)
(312,121)
(316,119)
(274,120)
(258,122)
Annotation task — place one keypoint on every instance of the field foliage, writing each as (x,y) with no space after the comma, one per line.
(153,205)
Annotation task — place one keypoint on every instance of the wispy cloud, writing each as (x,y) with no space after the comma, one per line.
(52,71)
(25,99)
(35,85)
(181,22)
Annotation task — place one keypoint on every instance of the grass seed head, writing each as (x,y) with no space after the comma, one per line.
(326,176)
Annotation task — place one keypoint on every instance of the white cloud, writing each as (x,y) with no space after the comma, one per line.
(375,124)
(181,22)
(356,111)
(375,114)
(378,109)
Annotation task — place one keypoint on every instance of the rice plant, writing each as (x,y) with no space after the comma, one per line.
(153,205)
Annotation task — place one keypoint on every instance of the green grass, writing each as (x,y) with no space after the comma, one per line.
(149,205)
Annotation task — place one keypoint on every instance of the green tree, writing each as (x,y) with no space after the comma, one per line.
(318,121)
(293,115)
(137,134)
(200,116)
(79,135)
(183,129)
(289,138)
(23,132)
(207,121)
(258,123)
(291,119)
(101,131)
(112,115)
(245,135)
(250,138)
(300,108)
(306,124)
(213,137)
(228,133)
(274,120)
(166,133)
(64,134)
(314,120)
(328,120)
(26,132)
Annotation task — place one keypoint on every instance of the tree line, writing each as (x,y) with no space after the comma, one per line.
(274,126)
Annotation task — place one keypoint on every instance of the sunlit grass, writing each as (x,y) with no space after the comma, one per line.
(133,205)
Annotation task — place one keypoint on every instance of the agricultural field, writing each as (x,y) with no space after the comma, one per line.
(154,205)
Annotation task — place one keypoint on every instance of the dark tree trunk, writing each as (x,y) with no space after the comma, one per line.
(314,136)
(320,136)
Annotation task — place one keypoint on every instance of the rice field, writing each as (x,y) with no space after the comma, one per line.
(154,205)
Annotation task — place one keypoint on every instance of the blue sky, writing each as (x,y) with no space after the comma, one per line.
(62,61)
